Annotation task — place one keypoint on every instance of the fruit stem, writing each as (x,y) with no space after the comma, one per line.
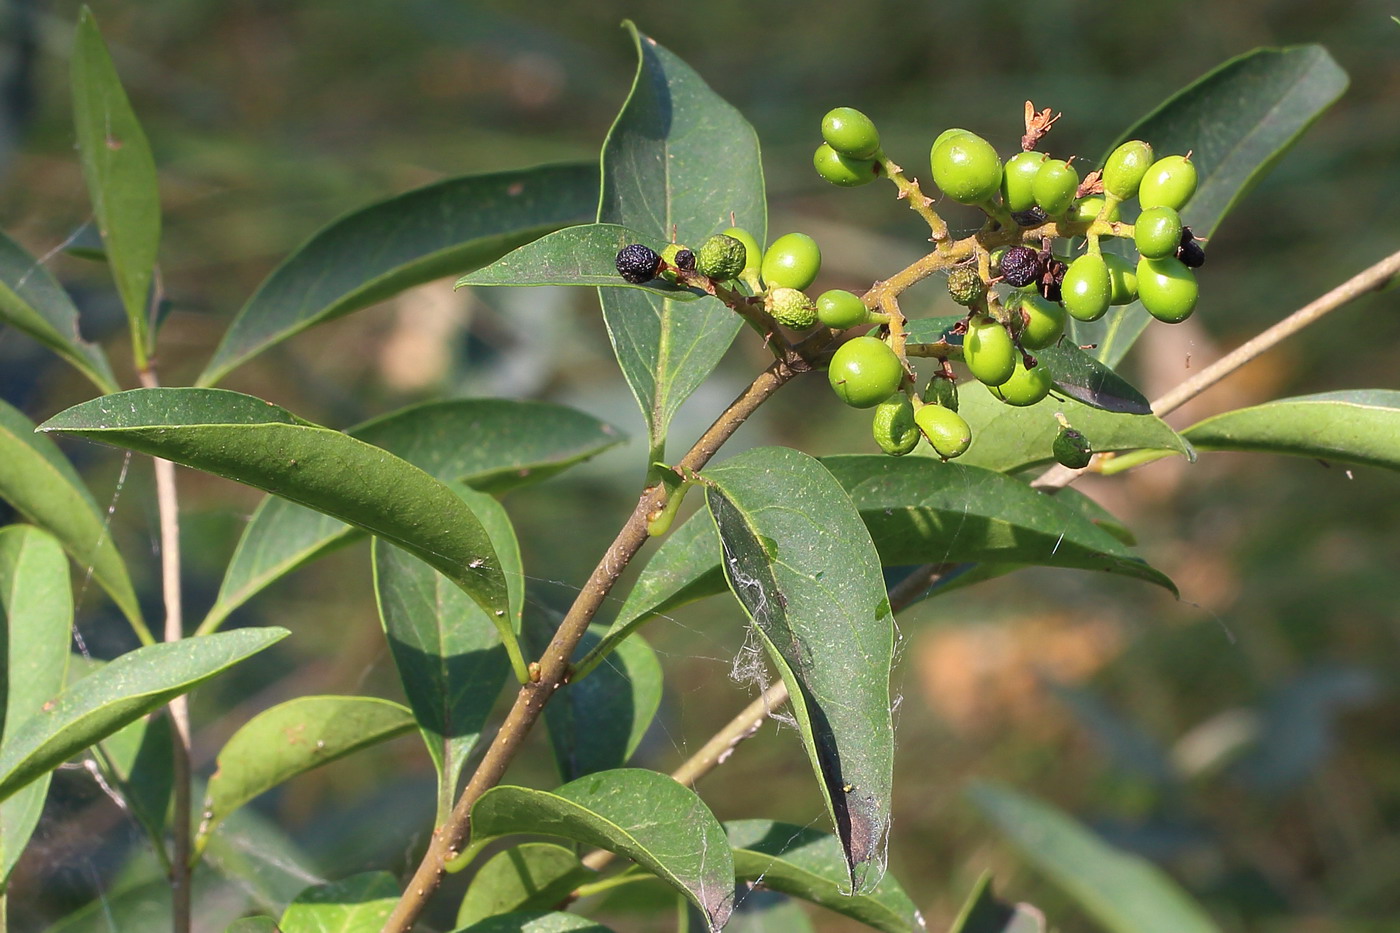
(919,203)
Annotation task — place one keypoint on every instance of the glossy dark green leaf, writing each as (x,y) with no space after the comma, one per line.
(809,864)
(1237,121)
(1080,376)
(378,251)
(120,173)
(679,162)
(533,876)
(358,904)
(292,738)
(921,510)
(36,621)
(254,442)
(1007,439)
(596,722)
(1076,501)
(1123,892)
(447,649)
(646,816)
(129,687)
(1360,426)
(536,921)
(984,912)
(511,443)
(800,561)
(40,483)
(581,255)
(32,301)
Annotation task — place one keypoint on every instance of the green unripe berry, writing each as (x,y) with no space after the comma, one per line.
(676,256)
(1072,449)
(851,133)
(1170,182)
(945,429)
(1026,386)
(988,351)
(966,167)
(792,261)
(1086,210)
(1122,276)
(864,372)
(1157,232)
(1055,186)
(1125,168)
(1087,289)
(841,309)
(721,257)
(965,286)
(894,427)
(841,170)
(943,392)
(792,308)
(1018,177)
(946,135)
(1042,320)
(1167,289)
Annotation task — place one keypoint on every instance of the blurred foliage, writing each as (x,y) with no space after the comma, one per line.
(1243,737)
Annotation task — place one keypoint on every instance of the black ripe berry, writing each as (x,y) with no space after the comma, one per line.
(1190,252)
(1051,280)
(1020,265)
(685,260)
(1030,217)
(637,263)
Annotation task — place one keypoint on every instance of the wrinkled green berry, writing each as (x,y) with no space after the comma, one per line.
(842,170)
(792,308)
(1055,186)
(1157,232)
(1122,276)
(1026,386)
(1018,179)
(965,286)
(1043,321)
(966,168)
(1170,182)
(1072,449)
(988,351)
(637,263)
(792,261)
(894,427)
(864,372)
(850,133)
(841,309)
(1087,289)
(941,391)
(721,257)
(1167,289)
(753,253)
(945,429)
(1124,170)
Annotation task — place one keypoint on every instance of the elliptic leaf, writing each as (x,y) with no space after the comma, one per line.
(1082,377)
(646,816)
(1349,427)
(533,876)
(358,904)
(378,251)
(801,563)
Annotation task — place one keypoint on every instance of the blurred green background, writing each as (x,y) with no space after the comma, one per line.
(1244,737)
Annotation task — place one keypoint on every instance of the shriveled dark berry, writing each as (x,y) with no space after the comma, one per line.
(1030,217)
(1191,255)
(966,286)
(637,263)
(685,260)
(1020,265)
(1053,278)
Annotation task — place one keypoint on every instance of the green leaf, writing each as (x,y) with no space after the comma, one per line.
(810,865)
(536,921)
(646,816)
(358,904)
(447,648)
(32,301)
(1237,121)
(1007,439)
(985,913)
(920,510)
(1123,892)
(1359,426)
(376,252)
(104,701)
(801,563)
(1080,376)
(596,723)
(533,876)
(253,925)
(36,621)
(679,162)
(137,761)
(512,443)
(254,442)
(146,906)
(120,174)
(39,482)
(581,255)
(290,739)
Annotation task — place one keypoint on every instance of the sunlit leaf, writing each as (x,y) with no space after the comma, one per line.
(358,904)
(533,876)
(1359,426)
